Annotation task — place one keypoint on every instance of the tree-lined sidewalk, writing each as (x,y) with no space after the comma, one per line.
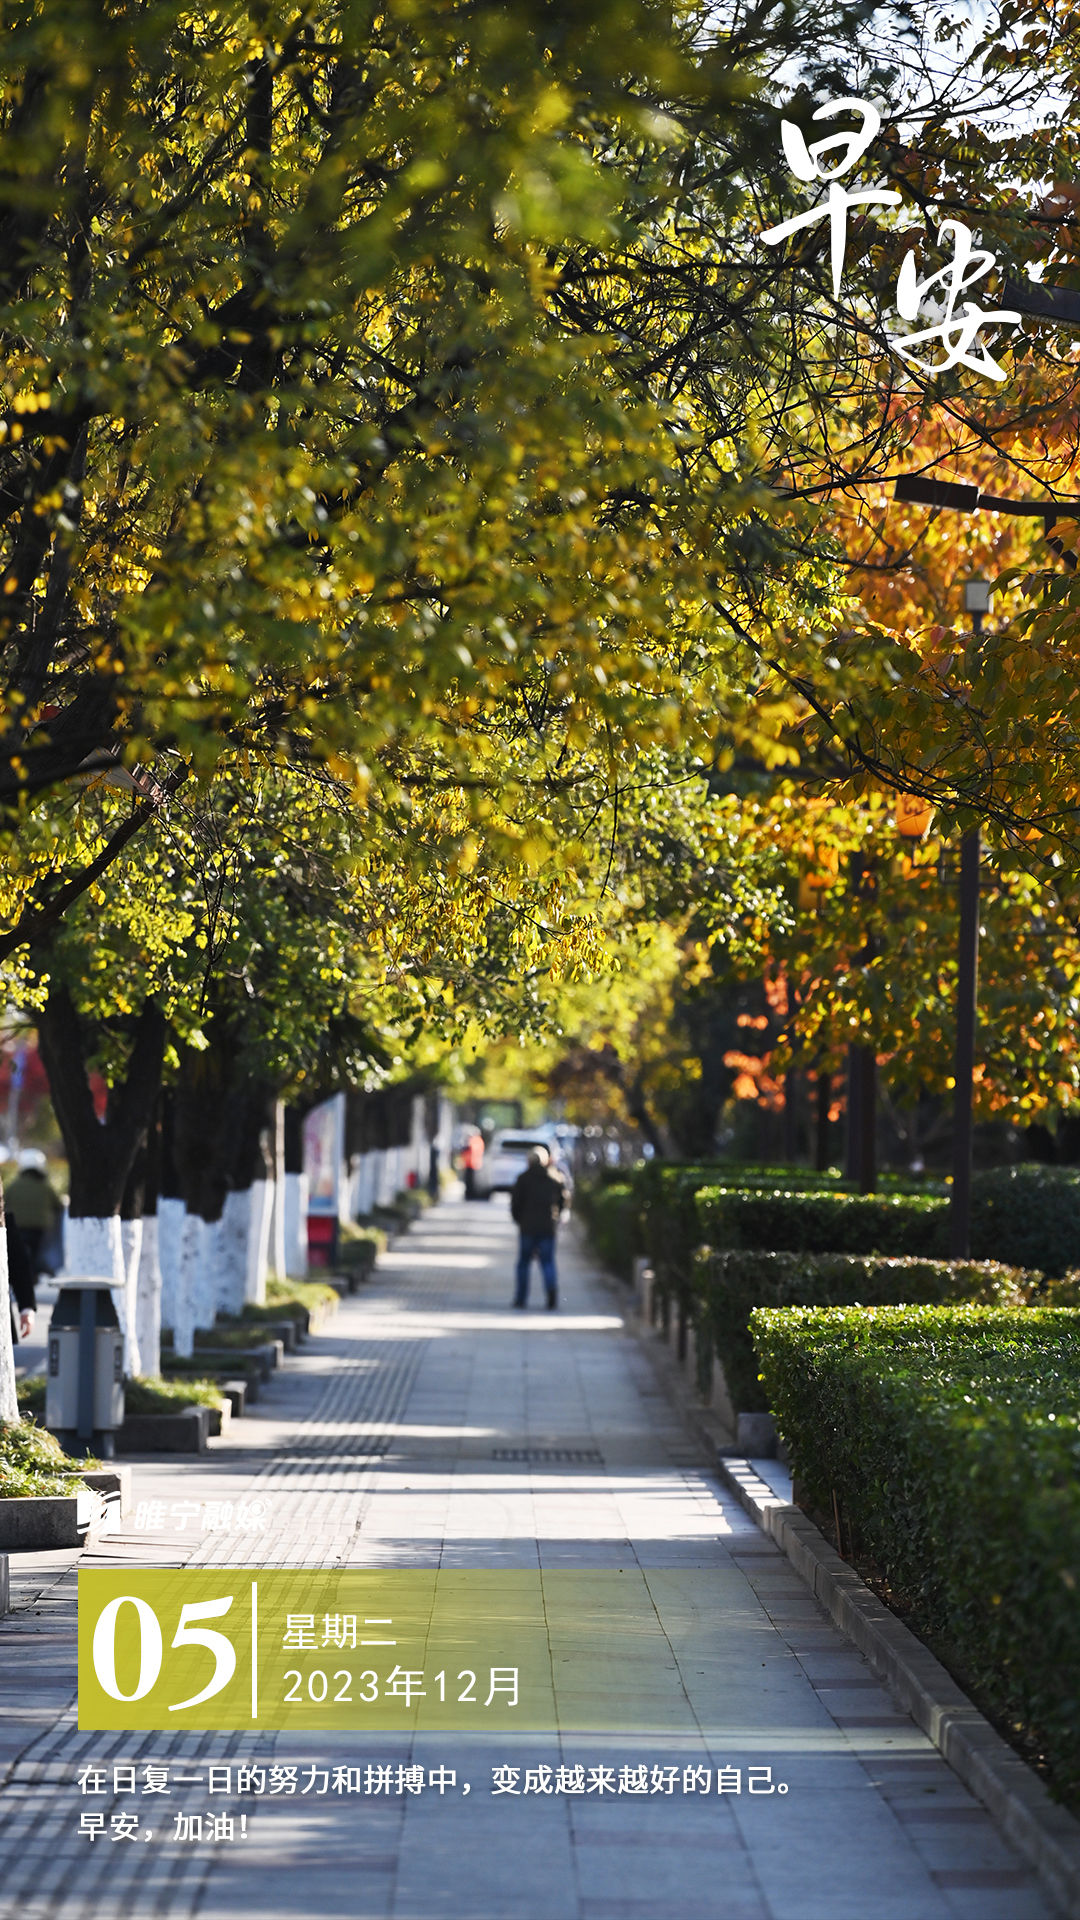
(429,1426)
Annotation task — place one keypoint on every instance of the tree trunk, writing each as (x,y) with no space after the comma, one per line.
(222,1117)
(170,1211)
(9,1402)
(148,1288)
(131,1239)
(638,1112)
(101,1153)
(294,1194)
(143,1192)
(277,1207)
(93,1246)
(171,1215)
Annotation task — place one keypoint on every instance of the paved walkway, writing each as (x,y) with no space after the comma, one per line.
(429,1426)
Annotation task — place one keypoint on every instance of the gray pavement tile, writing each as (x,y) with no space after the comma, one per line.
(377,1447)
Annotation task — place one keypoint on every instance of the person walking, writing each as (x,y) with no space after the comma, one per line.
(30,1200)
(21,1289)
(537,1202)
(472,1159)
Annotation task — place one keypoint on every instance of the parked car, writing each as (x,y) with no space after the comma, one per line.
(508,1155)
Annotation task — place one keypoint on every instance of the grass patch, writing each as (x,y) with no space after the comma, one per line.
(170,1396)
(33,1465)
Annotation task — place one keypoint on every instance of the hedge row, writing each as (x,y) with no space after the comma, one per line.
(1027,1216)
(950,1438)
(669,1231)
(610,1216)
(728,1287)
(904,1224)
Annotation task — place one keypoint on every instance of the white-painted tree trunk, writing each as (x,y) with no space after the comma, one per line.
(170,1233)
(148,1299)
(94,1247)
(277,1211)
(210,1278)
(295,1212)
(260,1214)
(184,1305)
(235,1224)
(9,1404)
(131,1239)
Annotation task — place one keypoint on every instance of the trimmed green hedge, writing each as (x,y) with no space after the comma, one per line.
(609,1214)
(950,1438)
(902,1224)
(729,1286)
(1029,1214)
(668,1228)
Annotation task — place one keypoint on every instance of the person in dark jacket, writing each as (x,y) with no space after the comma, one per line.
(31,1202)
(22,1292)
(537,1202)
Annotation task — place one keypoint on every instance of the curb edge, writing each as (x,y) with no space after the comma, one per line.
(1045,1833)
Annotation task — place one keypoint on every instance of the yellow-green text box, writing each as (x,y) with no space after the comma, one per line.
(228,1648)
(383,1650)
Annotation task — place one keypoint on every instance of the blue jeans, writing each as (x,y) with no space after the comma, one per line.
(536,1246)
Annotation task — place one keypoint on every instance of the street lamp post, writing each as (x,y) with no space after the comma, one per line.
(920,489)
(977,604)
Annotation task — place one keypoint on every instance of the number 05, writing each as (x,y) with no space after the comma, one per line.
(189,1635)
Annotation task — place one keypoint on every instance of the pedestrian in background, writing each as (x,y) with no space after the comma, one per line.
(21,1290)
(537,1203)
(31,1202)
(472,1159)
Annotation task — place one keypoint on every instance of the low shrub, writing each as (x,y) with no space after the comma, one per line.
(301,1301)
(169,1396)
(231,1333)
(392,1217)
(141,1395)
(194,1367)
(950,1439)
(729,1286)
(412,1201)
(899,1224)
(609,1214)
(359,1246)
(33,1465)
(30,1392)
(1029,1214)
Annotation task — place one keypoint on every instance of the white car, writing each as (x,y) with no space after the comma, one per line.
(507,1156)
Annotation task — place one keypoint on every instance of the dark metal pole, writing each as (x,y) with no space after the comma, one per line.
(867,1173)
(853,1143)
(791,1115)
(84,1418)
(967,998)
(821,1133)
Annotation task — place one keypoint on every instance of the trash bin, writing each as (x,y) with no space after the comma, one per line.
(322,1239)
(84,1387)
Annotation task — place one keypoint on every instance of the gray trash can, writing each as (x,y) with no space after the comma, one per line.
(84,1388)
